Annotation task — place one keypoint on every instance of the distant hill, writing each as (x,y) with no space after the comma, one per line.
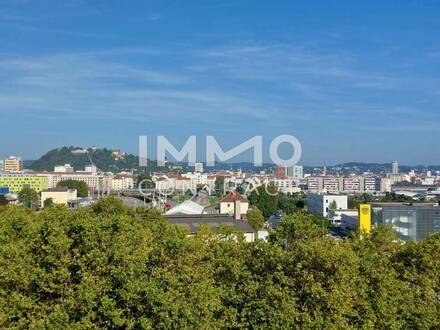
(79,158)
(359,167)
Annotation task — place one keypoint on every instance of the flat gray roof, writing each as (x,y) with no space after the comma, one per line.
(193,222)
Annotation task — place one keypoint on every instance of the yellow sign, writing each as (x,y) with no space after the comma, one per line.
(365,218)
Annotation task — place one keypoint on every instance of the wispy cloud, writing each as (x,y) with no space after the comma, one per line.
(90,84)
(280,85)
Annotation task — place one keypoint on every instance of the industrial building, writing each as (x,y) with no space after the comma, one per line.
(411,221)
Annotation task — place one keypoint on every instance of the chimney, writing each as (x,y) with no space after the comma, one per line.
(237,209)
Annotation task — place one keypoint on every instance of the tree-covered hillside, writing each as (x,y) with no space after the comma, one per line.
(111,267)
(102,158)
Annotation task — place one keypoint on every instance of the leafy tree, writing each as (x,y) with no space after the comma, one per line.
(300,204)
(355,200)
(110,206)
(291,203)
(265,199)
(300,225)
(81,187)
(255,218)
(112,267)
(333,205)
(28,198)
(48,202)
(240,189)
(219,186)
(144,181)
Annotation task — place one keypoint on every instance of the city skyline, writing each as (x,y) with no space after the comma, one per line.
(351,81)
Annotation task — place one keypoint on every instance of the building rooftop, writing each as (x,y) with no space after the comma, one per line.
(233,196)
(187,207)
(58,189)
(193,222)
(397,204)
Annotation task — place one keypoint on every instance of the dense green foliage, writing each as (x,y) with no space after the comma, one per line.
(265,198)
(219,187)
(255,218)
(81,187)
(110,267)
(48,202)
(355,200)
(291,203)
(102,158)
(28,197)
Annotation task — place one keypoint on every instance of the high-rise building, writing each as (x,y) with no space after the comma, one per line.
(395,168)
(315,184)
(280,172)
(12,164)
(295,171)
(198,167)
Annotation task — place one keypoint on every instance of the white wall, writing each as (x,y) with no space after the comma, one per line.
(320,203)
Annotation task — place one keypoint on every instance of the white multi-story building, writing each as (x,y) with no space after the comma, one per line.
(386,184)
(321,203)
(91,169)
(315,184)
(333,184)
(371,184)
(122,182)
(198,167)
(295,171)
(286,186)
(66,168)
(395,168)
(164,183)
(351,184)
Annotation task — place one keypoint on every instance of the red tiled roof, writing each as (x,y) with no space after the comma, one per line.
(233,196)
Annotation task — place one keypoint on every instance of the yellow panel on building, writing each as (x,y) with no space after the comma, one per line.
(15,183)
(365,218)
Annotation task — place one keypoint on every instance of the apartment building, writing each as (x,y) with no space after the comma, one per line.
(16,182)
(59,195)
(66,168)
(351,184)
(322,203)
(295,171)
(122,182)
(12,164)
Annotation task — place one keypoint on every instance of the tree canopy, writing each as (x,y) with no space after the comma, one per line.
(265,198)
(81,187)
(28,197)
(255,218)
(109,266)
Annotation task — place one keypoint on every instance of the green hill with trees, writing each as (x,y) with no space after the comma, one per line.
(112,267)
(102,158)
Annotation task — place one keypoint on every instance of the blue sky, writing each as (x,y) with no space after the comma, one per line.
(353,81)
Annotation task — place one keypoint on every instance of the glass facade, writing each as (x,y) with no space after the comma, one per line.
(411,222)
